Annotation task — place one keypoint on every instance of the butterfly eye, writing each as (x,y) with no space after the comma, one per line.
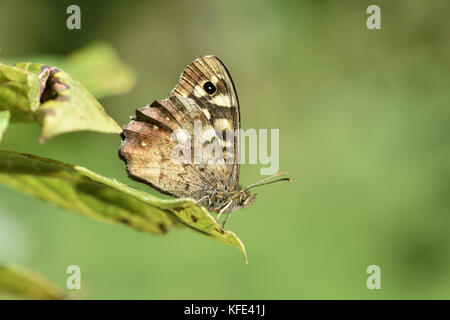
(209,87)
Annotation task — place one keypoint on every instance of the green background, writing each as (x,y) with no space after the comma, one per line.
(364,133)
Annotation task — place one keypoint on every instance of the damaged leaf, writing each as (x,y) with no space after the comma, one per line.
(52,98)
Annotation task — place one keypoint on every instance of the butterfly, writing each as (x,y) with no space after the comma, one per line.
(205,95)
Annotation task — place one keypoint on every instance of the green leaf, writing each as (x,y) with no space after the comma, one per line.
(16,282)
(4,121)
(80,190)
(100,69)
(53,98)
(97,66)
(19,93)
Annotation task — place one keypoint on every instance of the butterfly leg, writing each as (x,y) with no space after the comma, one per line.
(199,201)
(221,212)
(226,219)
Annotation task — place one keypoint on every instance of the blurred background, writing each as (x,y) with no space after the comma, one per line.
(364,133)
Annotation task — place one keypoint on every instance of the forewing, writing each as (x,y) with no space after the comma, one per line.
(221,110)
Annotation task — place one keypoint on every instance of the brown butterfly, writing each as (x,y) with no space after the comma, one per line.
(204,94)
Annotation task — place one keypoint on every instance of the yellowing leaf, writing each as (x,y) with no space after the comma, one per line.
(80,190)
(4,121)
(16,282)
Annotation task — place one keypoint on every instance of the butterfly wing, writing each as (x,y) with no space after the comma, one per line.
(146,149)
(148,140)
(221,108)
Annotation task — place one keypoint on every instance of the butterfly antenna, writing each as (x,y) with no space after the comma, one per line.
(263,181)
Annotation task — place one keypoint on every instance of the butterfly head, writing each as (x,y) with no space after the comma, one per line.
(245,198)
